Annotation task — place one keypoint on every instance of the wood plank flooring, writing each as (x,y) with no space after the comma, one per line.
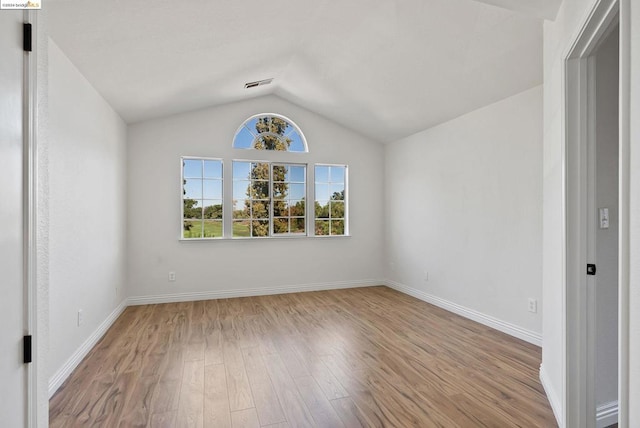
(367,357)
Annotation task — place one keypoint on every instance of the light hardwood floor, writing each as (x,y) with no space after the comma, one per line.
(369,357)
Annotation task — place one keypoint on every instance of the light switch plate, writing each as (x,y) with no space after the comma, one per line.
(604,218)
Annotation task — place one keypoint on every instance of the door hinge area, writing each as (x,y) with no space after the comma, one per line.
(26,37)
(591,269)
(27,349)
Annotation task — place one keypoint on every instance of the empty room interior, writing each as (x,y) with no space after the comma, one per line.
(365,213)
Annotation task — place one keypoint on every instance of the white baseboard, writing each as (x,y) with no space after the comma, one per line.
(503,326)
(607,414)
(552,396)
(248,292)
(69,366)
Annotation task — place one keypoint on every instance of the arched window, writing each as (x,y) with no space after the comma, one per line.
(268,131)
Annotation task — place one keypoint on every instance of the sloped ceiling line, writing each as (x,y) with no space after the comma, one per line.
(384,68)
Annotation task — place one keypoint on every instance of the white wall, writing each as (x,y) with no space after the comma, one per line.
(238,266)
(86,181)
(464,204)
(606,289)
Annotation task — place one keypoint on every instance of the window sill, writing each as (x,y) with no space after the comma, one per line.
(264,238)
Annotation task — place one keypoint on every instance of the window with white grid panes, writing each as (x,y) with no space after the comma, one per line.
(268,199)
(202,198)
(330,205)
(289,198)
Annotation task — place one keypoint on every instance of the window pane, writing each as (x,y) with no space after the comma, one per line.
(212,189)
(260,189)
(296,190)
(260,228)
(337,227)
(322,174)
(212,229)
(241,229)
(241,170)
(241,189)
(212,169)
(193,189)
(192,208)
(213,210)
(252,125)
(267,132)
(241,209)
(192,229)
(337,192)
(337,209)
(297,208)
(192,168)
(322,227)
(280,173)
(259,171)
(280,208)
(296,144)
(269,184)
(330,188)
(297,174)
(322,209)
(337,174)
(280,190)
(297,225)
(202,198)
(322,192)
(244,139)
(281,225)
(260,209)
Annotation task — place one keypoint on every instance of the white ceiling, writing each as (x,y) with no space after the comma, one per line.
(385,68)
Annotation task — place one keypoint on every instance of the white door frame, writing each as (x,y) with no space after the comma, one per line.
(579,216)
(30,224)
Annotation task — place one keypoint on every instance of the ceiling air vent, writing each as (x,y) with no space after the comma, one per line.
(258,83)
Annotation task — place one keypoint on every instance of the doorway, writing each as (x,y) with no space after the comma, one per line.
(592,232)
(604,245)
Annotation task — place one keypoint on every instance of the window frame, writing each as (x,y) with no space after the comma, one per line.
(346,200)
(295,127)
(182,198)
(271,199)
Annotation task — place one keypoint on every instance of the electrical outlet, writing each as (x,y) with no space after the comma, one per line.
(533,305)
(425,275)
(172,276)
(80,317)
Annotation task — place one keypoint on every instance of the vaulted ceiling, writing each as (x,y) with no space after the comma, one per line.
(384,68)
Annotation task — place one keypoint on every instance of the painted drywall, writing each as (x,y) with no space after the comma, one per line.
(463,206)
(86,183)
(606,289)
(155,192)
(631,48)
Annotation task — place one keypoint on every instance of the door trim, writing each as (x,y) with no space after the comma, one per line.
(30,108)
(624,247)
(579,334)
